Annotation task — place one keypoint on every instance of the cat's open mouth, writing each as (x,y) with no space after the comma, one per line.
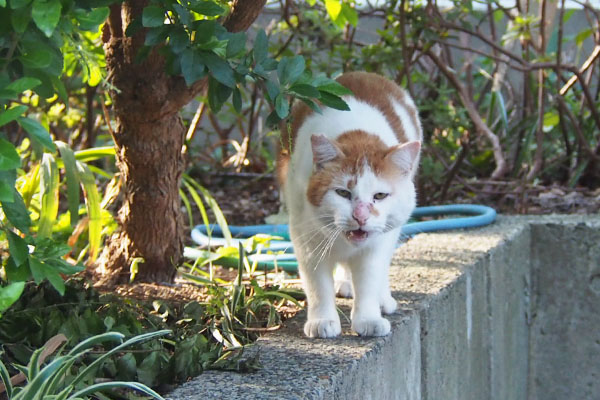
(357,235)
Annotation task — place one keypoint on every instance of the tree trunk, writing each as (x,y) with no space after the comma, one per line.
(149,138)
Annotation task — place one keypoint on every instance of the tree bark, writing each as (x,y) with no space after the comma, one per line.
(149,138)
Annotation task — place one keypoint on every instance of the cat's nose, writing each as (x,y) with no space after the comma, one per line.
(360,213)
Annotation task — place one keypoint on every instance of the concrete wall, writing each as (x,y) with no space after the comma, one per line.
(565,330)
(507,312)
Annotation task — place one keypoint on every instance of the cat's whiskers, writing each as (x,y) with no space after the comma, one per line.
(328,246)
(325,237)
(324,230)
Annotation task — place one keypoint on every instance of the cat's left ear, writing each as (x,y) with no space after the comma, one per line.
(324,150)
(404,155)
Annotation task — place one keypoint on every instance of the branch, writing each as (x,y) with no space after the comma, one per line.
(481,126)
(586,65)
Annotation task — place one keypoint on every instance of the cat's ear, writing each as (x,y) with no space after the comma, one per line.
(404,155)
(324,150)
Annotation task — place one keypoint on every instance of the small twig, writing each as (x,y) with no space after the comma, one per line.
(586,65)
(195,121)
(107,120)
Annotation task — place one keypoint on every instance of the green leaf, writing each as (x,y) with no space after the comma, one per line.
(16,212)
(94,209)
(95,153)
(498,15)
(551,119)
(7,185)
(9,158)
(49,182)
(134,340)
(149,369)
(217,94)
(272,90)
(153,16)
(23,84)
(582,35)
(314,106)
(237,100)
(261,46)
(37,132)
(219,69)
(208,8)
(185,17)
(46,15)
(5,377)
(236,44)
(178,40)
(156,35)
(36,57)
(89,20)
(290,69)
(45,271)
(305,90)
(9,294)
(334,8)
(192,66)
(15,4)
(3,3)
(269,64)
(333,101)
(11,114)
(334,87)
(72,178)
(20,18)
(18,248)
(106,386)
(282,106)
(350,14)
(205,31)
(14,274)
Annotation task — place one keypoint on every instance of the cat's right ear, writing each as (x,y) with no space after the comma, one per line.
(324,150)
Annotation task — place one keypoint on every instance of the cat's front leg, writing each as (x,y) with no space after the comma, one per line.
(323,320)
(371,292)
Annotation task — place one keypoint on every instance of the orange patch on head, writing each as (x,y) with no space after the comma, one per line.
(359,150)
(373,210)
(381,93)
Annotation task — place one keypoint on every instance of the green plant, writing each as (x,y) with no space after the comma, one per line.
(54,380)
(33,37)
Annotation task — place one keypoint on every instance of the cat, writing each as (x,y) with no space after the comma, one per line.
(347,182)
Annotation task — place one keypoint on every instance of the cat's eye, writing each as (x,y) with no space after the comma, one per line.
(344,193)
(380,196)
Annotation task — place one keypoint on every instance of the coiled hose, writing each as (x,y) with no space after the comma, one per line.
(470,216)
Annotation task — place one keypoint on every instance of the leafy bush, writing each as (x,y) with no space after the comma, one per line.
(55,380)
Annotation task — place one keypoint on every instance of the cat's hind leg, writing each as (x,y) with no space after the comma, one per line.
(343,281)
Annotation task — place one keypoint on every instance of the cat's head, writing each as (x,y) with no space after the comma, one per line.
(360,187)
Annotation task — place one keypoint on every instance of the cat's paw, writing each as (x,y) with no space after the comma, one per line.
(343,288)
(371,327)
(322,328)
(388,305)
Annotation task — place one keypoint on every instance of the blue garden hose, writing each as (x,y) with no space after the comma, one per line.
(473,216)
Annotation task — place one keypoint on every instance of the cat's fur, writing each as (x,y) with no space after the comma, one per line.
(347,178)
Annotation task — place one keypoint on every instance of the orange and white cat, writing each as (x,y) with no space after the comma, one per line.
(347,179)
